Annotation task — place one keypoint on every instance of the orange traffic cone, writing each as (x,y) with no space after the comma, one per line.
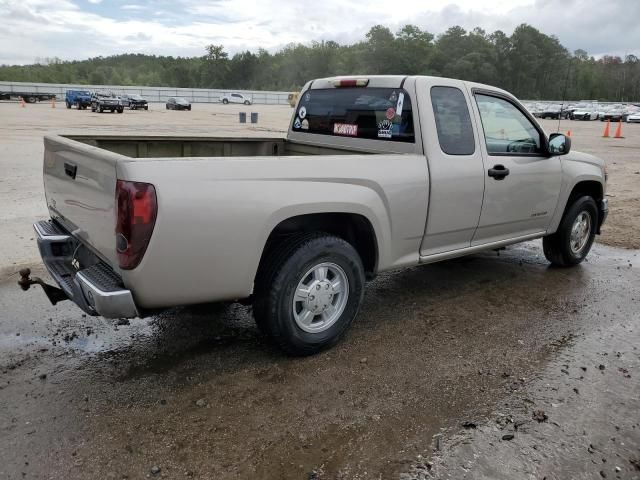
(606,129)
(619,130)
(53,102)
(569,133)
(22,104)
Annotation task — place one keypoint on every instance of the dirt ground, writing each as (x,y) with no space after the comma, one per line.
(493,366)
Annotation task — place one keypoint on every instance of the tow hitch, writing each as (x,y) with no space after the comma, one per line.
(54,294)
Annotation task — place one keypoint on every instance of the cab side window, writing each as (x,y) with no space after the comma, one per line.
(453,122)
(507,131)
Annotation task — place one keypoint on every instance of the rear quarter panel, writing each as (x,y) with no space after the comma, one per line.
(215,215)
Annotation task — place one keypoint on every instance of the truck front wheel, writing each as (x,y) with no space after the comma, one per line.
(308,291)
(577,230)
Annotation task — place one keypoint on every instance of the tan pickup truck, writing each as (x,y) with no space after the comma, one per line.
(375,173)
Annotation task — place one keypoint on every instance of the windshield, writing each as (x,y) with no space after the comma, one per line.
(373,113)
(181,100)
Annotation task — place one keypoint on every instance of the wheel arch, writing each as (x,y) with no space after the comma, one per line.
(586,185)
(351,227)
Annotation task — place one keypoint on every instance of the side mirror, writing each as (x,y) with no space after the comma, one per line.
(559,144)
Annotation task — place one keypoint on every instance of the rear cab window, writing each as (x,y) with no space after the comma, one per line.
(453,121)
(362,112)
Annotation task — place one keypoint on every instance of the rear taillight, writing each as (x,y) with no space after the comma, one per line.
(136,210)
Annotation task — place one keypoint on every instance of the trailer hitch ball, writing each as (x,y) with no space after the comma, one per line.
(54,294)
(25,282)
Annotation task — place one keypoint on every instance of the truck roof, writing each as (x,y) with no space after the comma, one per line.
(394,81)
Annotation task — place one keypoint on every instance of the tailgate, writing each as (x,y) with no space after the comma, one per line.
(80,184)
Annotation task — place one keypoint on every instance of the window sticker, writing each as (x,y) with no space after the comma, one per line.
(400,104)
(346,129)
(296,123)
(305,124)
(302,112)
(385,128)
(307,97)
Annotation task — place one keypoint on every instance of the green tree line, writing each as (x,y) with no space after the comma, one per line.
(529,63)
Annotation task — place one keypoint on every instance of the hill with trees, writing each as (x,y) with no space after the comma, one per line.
(528,63)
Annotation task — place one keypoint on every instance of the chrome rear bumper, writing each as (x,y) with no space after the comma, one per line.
(95,288)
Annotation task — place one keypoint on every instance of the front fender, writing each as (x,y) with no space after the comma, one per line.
(574,173)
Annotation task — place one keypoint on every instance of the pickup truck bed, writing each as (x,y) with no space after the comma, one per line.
(181,147)
(374,174)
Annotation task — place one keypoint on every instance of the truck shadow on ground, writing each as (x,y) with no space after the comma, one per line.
(449,297)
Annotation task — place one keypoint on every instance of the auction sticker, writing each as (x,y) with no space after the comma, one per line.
(346,129)
(390,113)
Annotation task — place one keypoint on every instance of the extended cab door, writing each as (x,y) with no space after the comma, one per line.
(522,183)
(456,170)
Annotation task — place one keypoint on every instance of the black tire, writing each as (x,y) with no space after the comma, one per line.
(68,104)
(146,107)
(278,279)
(247,102)
(120,110)
(32,99)
(189,108)
(225,101)
(557,247)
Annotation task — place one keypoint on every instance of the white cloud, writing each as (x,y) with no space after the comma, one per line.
(41,28)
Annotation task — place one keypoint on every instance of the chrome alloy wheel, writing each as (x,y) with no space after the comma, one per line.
(580,232)
(320,297)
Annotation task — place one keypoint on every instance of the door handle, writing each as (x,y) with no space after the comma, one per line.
(498,172)
(70,169)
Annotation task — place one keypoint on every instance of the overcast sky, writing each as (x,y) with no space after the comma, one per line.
(79,29)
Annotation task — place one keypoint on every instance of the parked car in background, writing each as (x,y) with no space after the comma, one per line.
(178,103)
(586,112)
(554,111)
(629,110)
(613,113)
(78,98)
(634,117)
(134,102)
(235,98)
(105,101)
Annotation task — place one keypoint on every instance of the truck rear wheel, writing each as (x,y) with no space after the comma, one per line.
(575,235)
(308,291)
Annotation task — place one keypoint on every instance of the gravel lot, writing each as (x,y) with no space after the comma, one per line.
(491,366)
